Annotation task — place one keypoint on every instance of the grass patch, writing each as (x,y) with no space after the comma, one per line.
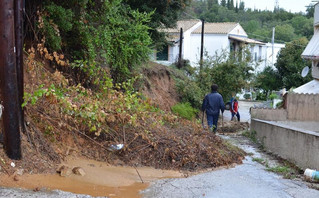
(251,135)
(259,160)
(184,110)
(287,172)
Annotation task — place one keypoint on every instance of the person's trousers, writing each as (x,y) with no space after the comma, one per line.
(237,115)
(212,121)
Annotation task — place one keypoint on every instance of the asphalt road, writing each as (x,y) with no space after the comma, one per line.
(243,110)
(249,180)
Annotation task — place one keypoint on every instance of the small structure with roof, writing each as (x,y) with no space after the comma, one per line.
(219,38)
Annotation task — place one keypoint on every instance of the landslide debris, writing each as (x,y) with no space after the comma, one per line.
(63,118)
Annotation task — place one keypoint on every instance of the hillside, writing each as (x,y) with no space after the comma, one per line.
(64,118)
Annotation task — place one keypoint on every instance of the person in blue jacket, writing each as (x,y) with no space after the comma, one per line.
(213,103)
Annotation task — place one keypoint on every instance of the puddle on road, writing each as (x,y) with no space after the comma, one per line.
(100,179)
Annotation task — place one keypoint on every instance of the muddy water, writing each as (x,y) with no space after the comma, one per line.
(100,179)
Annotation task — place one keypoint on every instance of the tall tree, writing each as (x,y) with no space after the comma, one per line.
(223,3)
(166,12)
(268,80)
(289,64)
(236,9)
(241,5)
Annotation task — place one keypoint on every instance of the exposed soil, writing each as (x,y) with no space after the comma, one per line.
(51,136)
(159,85)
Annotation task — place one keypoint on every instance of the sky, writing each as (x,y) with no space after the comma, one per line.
(288,5)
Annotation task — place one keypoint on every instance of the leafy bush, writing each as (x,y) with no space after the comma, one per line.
(189,92)
(184,110)
(261,95)
(273,96)
(247,96)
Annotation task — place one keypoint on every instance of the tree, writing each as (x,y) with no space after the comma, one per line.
(310,10)
(166,13)
(290,64)
(302,26)
(229,72)
(223,3)
(268,80)
(242,5)
(285,33)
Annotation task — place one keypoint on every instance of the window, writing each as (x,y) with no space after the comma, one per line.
(162,55)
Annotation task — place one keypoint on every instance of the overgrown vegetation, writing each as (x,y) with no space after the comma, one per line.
(185,110)
(230,71)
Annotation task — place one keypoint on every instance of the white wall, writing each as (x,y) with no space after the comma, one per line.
(238,31)
(212,43)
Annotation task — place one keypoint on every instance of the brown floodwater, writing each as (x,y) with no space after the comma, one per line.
(100,179)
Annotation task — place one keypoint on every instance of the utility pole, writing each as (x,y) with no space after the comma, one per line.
(18,21)
(8,78)
(273,43)
(180,64)
(202,47)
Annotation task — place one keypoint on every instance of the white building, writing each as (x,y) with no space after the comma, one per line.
(312,53)
(218,38)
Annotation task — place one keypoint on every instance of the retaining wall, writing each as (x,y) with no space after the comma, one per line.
(303,107)
(296,145)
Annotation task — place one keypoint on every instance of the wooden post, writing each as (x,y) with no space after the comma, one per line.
(18,19)
(8,77)
(202,47)
(180,64)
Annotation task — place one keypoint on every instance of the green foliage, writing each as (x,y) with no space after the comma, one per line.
(273,96)
(252,135)
(190,92)
(184,110)
(104,33)
(258,23)
(56,20)
(285,33)
(290,64)
(247,96)
(268,80)
(259,160)
(165,13)
(232,75)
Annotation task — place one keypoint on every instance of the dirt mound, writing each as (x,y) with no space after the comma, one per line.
(61,123)
(233,127)
(159,86)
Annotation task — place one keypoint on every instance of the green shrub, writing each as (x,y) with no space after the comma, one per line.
(190,92)
(184,110)
(247,96)
(273,96)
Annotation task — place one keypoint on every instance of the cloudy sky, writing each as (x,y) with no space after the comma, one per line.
(289,5)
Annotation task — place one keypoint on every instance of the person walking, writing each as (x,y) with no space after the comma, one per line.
(213,103)
(234,110)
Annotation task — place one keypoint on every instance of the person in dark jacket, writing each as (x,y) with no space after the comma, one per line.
(213,103)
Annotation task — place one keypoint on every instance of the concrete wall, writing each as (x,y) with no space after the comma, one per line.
(303,107)
(269,114)
(300,107)
(298,146)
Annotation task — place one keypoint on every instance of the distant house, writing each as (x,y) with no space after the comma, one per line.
(218,38)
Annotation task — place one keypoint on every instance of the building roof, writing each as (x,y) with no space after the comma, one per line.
(311,87)
(245,40)
(216,28)
(185,24)
(312,49)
